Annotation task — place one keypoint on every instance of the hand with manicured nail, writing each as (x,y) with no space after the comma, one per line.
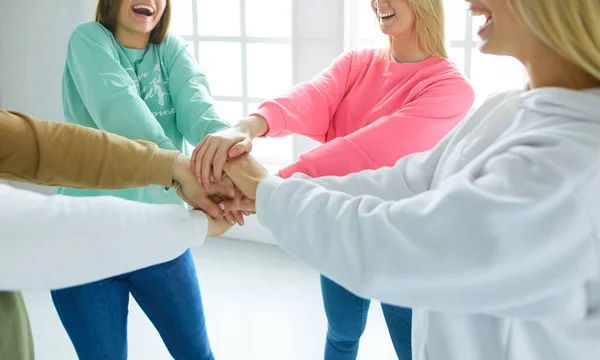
(246,173)
(192,193)
(210,155)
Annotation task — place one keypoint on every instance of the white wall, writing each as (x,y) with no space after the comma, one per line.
(33,41)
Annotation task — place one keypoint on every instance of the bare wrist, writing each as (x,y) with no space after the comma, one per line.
(182,164)
(254,126)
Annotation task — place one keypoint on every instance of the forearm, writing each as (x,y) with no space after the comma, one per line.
(78,240)
(60,154)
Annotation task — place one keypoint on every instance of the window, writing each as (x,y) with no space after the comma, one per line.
(487,73)
(247,55)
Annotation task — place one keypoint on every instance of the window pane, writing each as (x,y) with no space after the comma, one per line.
(269,18)
(269,69)
(490,74)
(182,21)
(272,150)
(369,32)
(218,18)
(367,21)
(457,56)
(223,65)
(456,19)
(230,111)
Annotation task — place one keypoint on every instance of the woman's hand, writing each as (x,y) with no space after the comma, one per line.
(245,205)
(210,155)
(246,173)
(217,227)
(192,193)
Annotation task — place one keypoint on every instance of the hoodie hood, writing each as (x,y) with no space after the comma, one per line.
(574,104)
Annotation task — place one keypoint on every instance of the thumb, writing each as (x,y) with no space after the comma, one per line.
(210,207)
(240,148)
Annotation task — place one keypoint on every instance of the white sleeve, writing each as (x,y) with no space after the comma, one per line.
(50,242)
(501,234)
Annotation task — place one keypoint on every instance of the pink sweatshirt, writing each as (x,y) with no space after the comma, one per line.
(369,112)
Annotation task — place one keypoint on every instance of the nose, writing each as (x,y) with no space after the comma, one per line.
(380,4)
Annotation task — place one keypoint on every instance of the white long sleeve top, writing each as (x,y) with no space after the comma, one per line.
(492,236)
(51,242)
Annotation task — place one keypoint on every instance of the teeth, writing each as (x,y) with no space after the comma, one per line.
(382,15)
(480,13)
(146,7)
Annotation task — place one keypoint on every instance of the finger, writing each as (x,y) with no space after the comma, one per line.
(219,162)
(198,161)
(206,167)
(209,206)
(229,185)
(244,146)
(239,218)
(230,218)
(194,154)
(230,205)
(237,197)
(218,188)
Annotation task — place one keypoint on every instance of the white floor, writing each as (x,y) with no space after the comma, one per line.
(259,303)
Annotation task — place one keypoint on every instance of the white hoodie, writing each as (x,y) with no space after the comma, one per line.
(51,242)
(492,236)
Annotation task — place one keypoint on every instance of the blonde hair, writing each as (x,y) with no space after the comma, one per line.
(429,26)
(569,27)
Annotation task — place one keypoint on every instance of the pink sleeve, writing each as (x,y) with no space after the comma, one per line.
(309,107)
(417,127)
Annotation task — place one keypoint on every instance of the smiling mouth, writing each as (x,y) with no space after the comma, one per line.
(482,12)
(385,16)
(143,10)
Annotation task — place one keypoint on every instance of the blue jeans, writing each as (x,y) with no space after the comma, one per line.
(95,315)
(347,318)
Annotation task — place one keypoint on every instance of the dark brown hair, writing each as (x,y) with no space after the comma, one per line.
(108,10)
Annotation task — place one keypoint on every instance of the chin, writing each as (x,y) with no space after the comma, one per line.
(485,47)
(144,29)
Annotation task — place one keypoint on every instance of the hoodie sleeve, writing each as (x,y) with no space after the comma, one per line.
(418,126)
(58,154)
(309,107)
(194,105)
(108,92)
(464,246)
(50,242)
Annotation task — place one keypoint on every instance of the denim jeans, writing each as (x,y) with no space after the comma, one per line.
(347,318)
(95,315)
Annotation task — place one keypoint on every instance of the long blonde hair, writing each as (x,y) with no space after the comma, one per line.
(429,26)
(569,27)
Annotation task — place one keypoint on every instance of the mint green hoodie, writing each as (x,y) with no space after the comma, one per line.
(157,94)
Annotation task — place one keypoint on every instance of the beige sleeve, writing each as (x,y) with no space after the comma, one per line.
(59,154)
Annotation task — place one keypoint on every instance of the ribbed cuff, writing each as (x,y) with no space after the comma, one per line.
(263,194)
(273,116)
(161,167)
(294,168)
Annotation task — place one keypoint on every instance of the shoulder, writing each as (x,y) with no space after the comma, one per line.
(171,45)
(366,57)
(92,31)
(92,36)
(441,75)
